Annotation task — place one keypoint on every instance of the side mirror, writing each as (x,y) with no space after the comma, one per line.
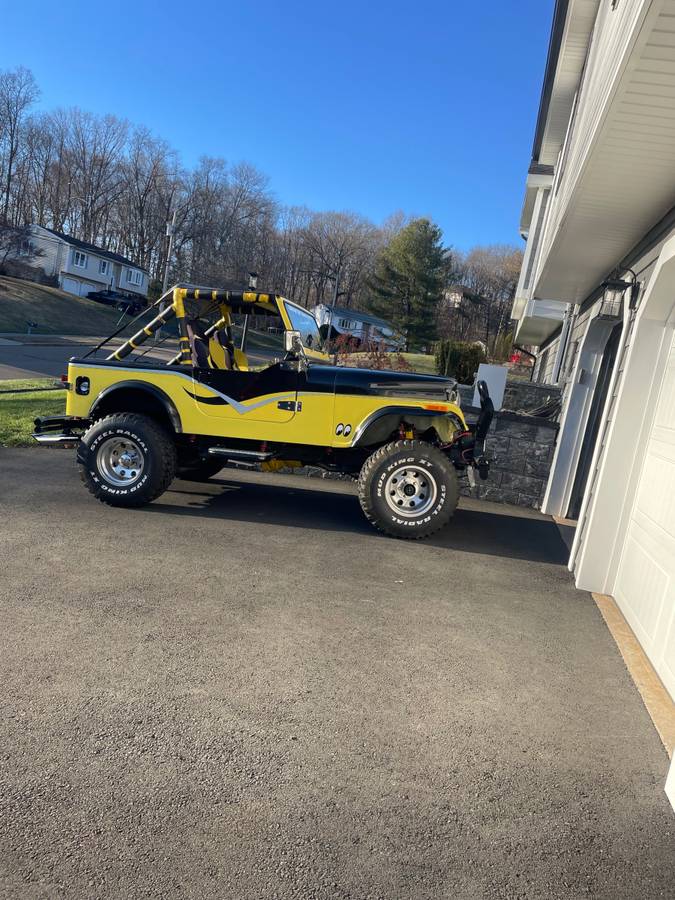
(293,343)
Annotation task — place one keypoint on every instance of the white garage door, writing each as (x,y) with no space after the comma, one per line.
(81,288)
(645,587)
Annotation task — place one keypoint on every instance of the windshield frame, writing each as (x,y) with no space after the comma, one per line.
(290,307)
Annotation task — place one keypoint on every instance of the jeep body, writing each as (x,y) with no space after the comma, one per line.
(214,407)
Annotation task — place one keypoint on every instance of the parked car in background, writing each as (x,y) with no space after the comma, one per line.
(123,302)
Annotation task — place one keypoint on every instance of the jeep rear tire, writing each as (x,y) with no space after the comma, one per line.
(126,459)
(408,489)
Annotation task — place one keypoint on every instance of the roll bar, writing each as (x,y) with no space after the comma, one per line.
(236,301)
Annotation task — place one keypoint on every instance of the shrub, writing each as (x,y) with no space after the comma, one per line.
(352,352)
(460,359)
(17,268)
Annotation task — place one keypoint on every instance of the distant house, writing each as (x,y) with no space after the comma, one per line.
(365,328)
(81,267)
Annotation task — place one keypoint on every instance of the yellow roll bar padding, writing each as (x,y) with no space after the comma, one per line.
(134,342)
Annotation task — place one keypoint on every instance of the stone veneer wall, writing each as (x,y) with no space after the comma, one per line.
(518,395)
(520,447)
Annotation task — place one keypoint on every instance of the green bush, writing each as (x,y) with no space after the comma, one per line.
(459,359)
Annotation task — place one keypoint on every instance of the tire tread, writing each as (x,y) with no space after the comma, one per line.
(167,452)
(364,493)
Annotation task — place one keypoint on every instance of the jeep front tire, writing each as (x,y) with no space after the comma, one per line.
(408,489)
(126,459)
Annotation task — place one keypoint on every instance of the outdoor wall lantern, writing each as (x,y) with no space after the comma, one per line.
(252,281)
(613,292)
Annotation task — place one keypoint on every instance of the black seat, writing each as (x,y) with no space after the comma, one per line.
(223,340)
(199,348)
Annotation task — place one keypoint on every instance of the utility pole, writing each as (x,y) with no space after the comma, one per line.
(170,230)
(336,280)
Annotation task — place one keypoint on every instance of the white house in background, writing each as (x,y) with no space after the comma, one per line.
(81,267)
(599,205)
(362,326)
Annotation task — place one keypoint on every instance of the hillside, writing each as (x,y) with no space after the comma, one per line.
(55,311)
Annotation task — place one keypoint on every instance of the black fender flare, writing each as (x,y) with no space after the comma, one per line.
(368,424)
(141,386)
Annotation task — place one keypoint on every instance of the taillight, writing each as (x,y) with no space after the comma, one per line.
(64,379)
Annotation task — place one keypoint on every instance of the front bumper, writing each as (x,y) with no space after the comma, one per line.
(60,431)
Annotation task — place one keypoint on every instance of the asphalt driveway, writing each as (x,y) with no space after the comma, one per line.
(242,691)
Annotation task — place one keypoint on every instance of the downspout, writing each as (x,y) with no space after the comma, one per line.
(532,356)
(562,343)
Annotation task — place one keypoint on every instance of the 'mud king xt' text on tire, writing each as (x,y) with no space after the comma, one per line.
(408,489)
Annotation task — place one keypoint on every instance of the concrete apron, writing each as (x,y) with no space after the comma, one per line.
(655,697)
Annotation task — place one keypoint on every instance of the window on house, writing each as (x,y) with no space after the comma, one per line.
(26,248)
(103,266)
(79,259)
(134,276)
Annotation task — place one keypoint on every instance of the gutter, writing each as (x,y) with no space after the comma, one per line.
(555,43)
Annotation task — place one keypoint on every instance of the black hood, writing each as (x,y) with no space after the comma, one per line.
(384,382)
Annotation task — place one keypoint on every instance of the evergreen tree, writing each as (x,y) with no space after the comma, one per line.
(408,281)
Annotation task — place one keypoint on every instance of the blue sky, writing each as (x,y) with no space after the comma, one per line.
(424,107)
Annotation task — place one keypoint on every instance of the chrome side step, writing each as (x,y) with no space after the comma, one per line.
(56,440)
(250,455)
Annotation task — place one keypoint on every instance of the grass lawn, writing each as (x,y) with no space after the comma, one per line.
(421,362)
(17,411)
(55,311)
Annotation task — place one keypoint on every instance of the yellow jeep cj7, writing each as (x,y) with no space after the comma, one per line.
(139,420)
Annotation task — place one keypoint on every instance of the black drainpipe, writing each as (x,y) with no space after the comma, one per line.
(527,353)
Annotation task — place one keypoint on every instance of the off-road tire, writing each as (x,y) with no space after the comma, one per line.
(380,467)
(201,470)
(159,463)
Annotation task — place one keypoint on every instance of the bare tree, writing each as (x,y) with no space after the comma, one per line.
(339,245)
(489,276)
(15,243)
(96,146)
(18,91)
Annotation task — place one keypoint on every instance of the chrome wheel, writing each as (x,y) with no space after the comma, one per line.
(121,461)
(411,491)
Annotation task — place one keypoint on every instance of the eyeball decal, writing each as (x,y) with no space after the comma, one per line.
(339,429)
(348,430)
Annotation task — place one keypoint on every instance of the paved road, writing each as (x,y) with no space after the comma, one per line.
(243,692)
(25,360)
(36,360)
